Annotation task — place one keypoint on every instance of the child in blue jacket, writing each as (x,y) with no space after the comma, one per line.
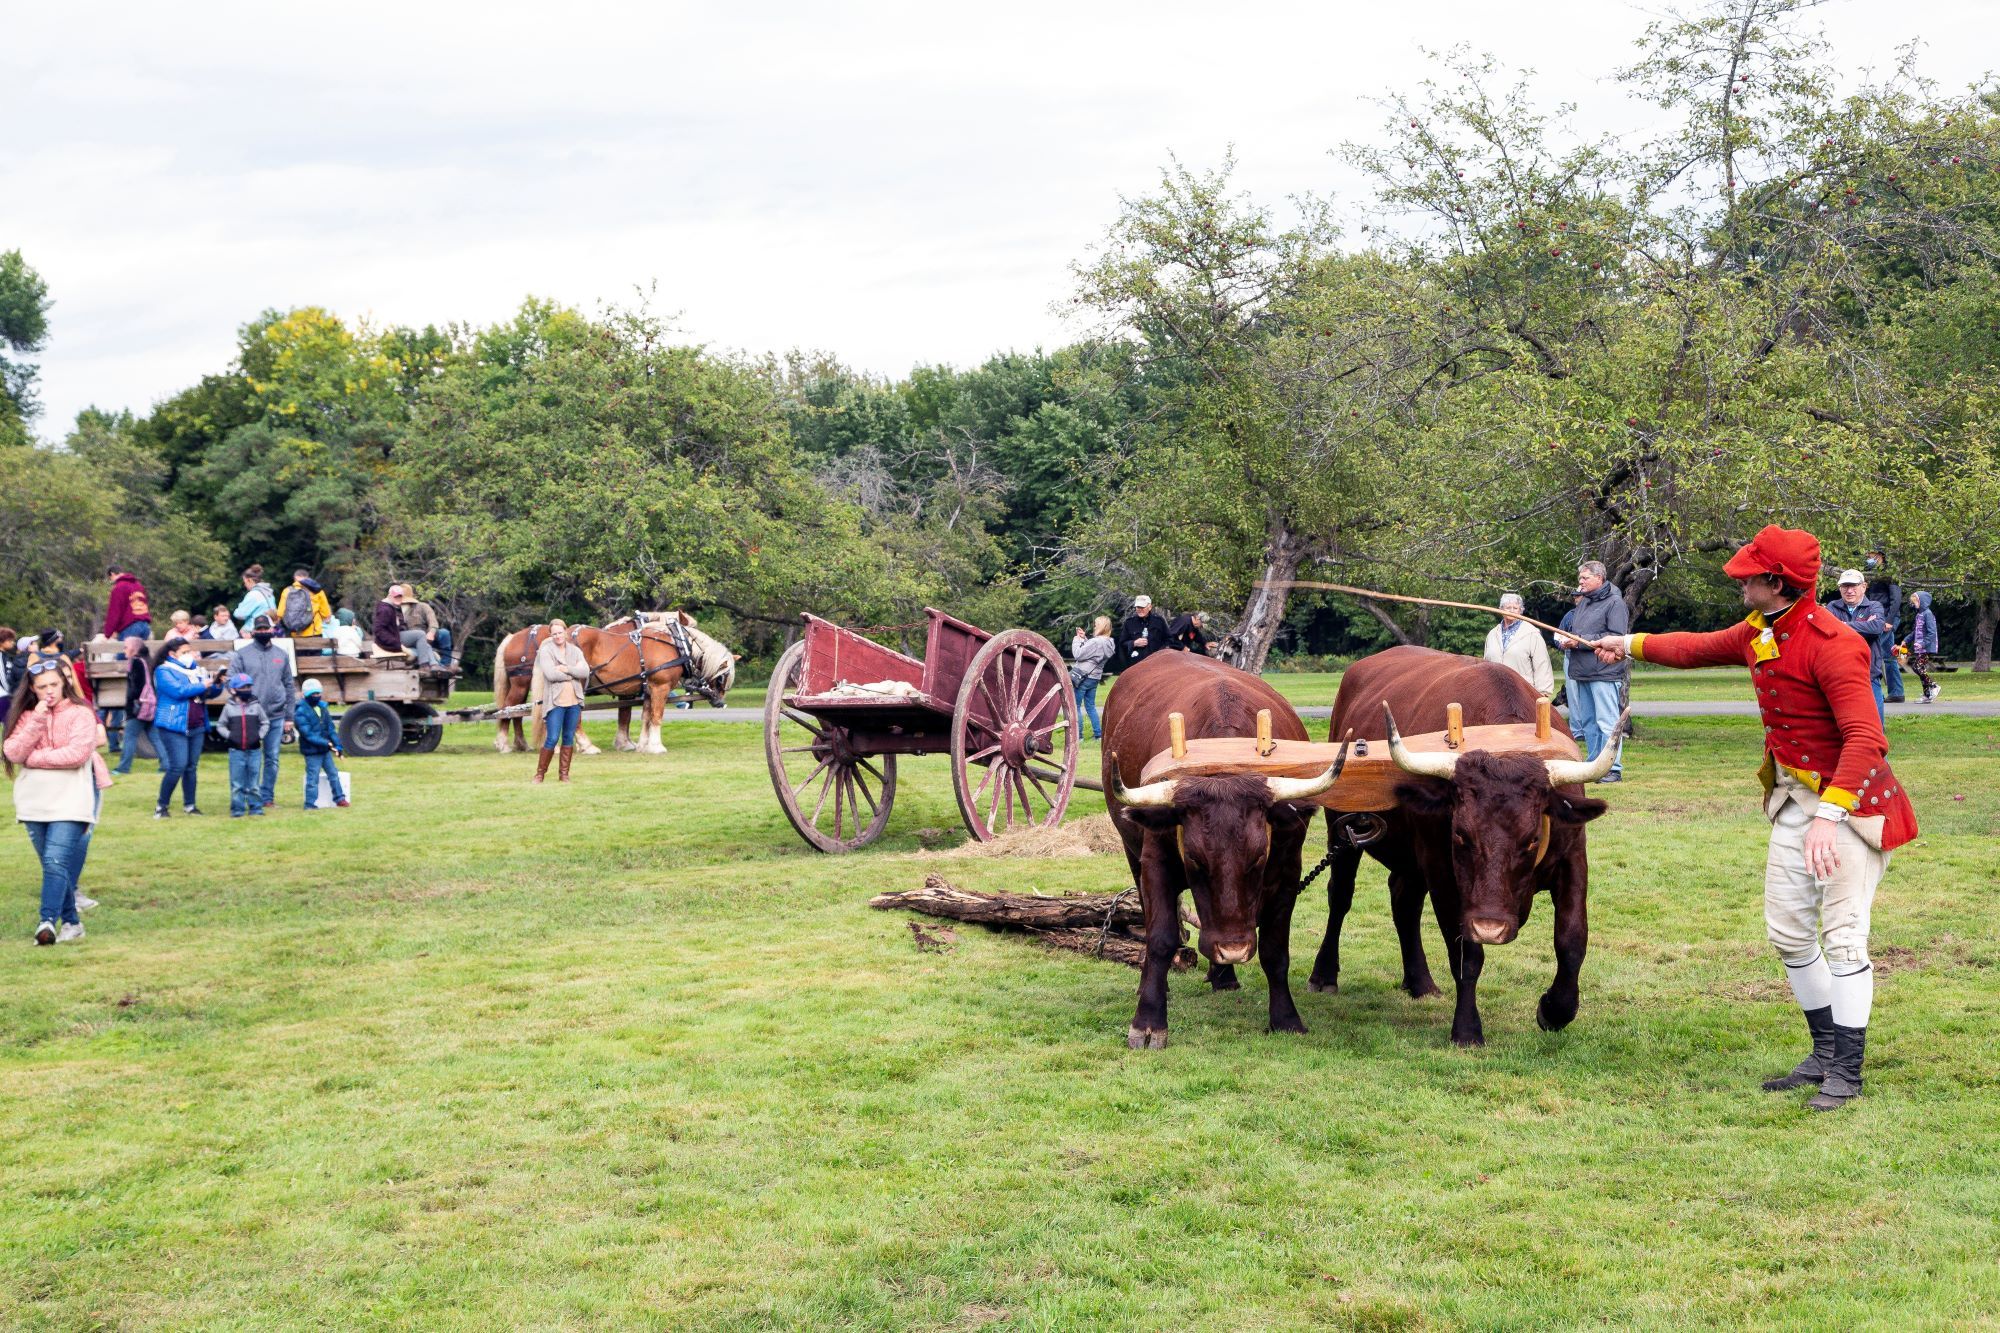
(318,743)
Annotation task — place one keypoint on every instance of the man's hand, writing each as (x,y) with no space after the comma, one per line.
(1822,853)
(290,732)
(1610,650)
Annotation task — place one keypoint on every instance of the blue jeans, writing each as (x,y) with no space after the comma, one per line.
(443,646)
(173,748)
(128,739)
(60,845)
(1593,713)
(138,629)
(246,771)
(197,742)
(1891,677)
(561,722)
(1086,699)
(317,764)
(274,738)
(1881,708)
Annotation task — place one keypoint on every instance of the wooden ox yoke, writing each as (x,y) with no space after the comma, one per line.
(1368,780)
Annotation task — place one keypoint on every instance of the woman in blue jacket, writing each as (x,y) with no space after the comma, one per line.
(178,680)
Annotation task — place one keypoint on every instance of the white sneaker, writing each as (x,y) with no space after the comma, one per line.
(45,933)
(84,904)
(70,934)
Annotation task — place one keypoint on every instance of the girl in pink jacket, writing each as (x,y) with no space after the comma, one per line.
(51,754)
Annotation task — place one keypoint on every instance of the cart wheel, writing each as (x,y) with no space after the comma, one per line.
(433,737)
(1016,719)
(371,730)
(814,768)
(421,733)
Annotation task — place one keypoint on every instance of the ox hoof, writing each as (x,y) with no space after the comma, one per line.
(1323,987)
(1554,1017)
(1468,1040)
(1422,989)
(1293,1024)
(1146,1039)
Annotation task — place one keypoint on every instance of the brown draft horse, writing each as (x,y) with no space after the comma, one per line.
(635,662)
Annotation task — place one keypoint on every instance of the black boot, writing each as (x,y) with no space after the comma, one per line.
(1813,1068)
(1842,1083)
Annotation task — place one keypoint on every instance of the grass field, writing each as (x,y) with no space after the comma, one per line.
(1651,684)
(625,1054)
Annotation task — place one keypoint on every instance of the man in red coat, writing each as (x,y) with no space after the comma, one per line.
(1836,808)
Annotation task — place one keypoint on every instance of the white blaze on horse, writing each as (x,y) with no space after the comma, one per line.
(638,662)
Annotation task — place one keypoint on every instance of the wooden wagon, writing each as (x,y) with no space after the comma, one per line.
(382,702)
(841,708)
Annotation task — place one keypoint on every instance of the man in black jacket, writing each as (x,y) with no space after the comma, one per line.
(1885,592)
(1142,634)
(1188,633)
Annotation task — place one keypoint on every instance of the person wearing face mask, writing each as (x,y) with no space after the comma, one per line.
(50,752)
(1885,592)
(276,688)
(178,681)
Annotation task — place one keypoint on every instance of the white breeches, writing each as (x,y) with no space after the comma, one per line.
(1799,910)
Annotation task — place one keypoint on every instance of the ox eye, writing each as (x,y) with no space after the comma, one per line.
(1461,838)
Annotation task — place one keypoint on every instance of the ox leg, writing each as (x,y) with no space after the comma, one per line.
(1160,897)
(1406,908)
(1222,976)
(1468,959)
(1569,892)
(1339,898)
(1274,929)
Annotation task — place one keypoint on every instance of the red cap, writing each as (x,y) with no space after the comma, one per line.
(1790,553)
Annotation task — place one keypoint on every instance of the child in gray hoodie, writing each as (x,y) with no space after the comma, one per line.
(244,723)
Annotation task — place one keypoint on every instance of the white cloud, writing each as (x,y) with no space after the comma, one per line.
(896,184)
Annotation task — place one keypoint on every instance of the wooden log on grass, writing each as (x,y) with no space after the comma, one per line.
(1025,911)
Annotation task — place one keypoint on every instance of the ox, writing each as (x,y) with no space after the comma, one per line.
(1480,832)
(1233,841)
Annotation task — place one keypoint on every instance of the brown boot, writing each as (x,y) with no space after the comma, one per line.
(542,763)
(562,770)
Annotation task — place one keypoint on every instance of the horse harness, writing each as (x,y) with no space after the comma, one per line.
(683,657)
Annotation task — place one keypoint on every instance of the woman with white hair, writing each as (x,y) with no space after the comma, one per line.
(1515,643)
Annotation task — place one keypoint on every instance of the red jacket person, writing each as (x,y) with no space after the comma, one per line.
(1836,808)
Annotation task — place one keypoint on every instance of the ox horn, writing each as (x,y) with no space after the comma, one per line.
(1423,765)
(1148,794)
(1562,772)
(1305,789)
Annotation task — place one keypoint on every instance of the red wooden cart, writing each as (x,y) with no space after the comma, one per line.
(841,708)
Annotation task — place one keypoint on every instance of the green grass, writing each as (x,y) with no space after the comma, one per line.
(626,1054)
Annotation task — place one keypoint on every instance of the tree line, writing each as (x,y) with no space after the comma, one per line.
(1535,348)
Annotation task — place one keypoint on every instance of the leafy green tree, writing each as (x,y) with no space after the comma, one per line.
(24,329)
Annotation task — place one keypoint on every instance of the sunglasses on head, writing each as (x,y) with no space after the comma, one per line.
(38,666)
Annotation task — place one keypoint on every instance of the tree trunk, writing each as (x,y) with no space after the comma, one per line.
(1390,623)
(1982,632)
(1284,551)
(940,897)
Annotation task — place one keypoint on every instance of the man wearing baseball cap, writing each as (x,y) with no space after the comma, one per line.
(1867,618)
(1836,808)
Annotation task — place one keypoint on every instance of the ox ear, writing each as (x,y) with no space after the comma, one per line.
(1425,796)
(1575,810)
(1159,818)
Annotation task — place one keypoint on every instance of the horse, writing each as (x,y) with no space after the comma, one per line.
(514,684)
(637,660)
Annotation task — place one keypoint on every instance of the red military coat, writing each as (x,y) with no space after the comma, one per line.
(1811,674)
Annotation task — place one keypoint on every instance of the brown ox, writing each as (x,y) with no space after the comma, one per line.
(1480,832)
(638,663)
(1233,841)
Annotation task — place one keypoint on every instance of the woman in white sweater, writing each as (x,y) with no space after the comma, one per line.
(562,674)
(1515,643)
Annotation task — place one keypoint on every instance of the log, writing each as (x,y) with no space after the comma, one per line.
(1118,948)
(1026,911)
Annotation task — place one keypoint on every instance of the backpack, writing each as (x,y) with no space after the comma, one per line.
(149,703)
(298,612)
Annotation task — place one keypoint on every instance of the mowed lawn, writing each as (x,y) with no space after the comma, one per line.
(1657,685)
(626,1054)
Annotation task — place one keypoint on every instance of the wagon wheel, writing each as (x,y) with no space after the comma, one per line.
(823,786)
(1016,720)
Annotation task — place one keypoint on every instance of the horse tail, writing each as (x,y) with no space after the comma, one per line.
(500,670)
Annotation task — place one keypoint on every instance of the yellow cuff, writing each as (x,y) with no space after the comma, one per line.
(1636,647)
(1840,796)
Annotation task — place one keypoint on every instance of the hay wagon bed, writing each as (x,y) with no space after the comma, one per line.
(842,708)
(383,703)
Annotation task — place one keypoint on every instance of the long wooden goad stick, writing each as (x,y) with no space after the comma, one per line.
(1399,597)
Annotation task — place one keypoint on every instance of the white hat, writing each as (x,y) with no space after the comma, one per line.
(1142,600)
(1848,576)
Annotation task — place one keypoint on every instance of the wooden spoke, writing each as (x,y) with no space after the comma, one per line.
(840,782)
(794,715)
(1006,697)
(810,776)
(1034,676)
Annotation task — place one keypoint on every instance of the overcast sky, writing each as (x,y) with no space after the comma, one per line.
(892,183)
